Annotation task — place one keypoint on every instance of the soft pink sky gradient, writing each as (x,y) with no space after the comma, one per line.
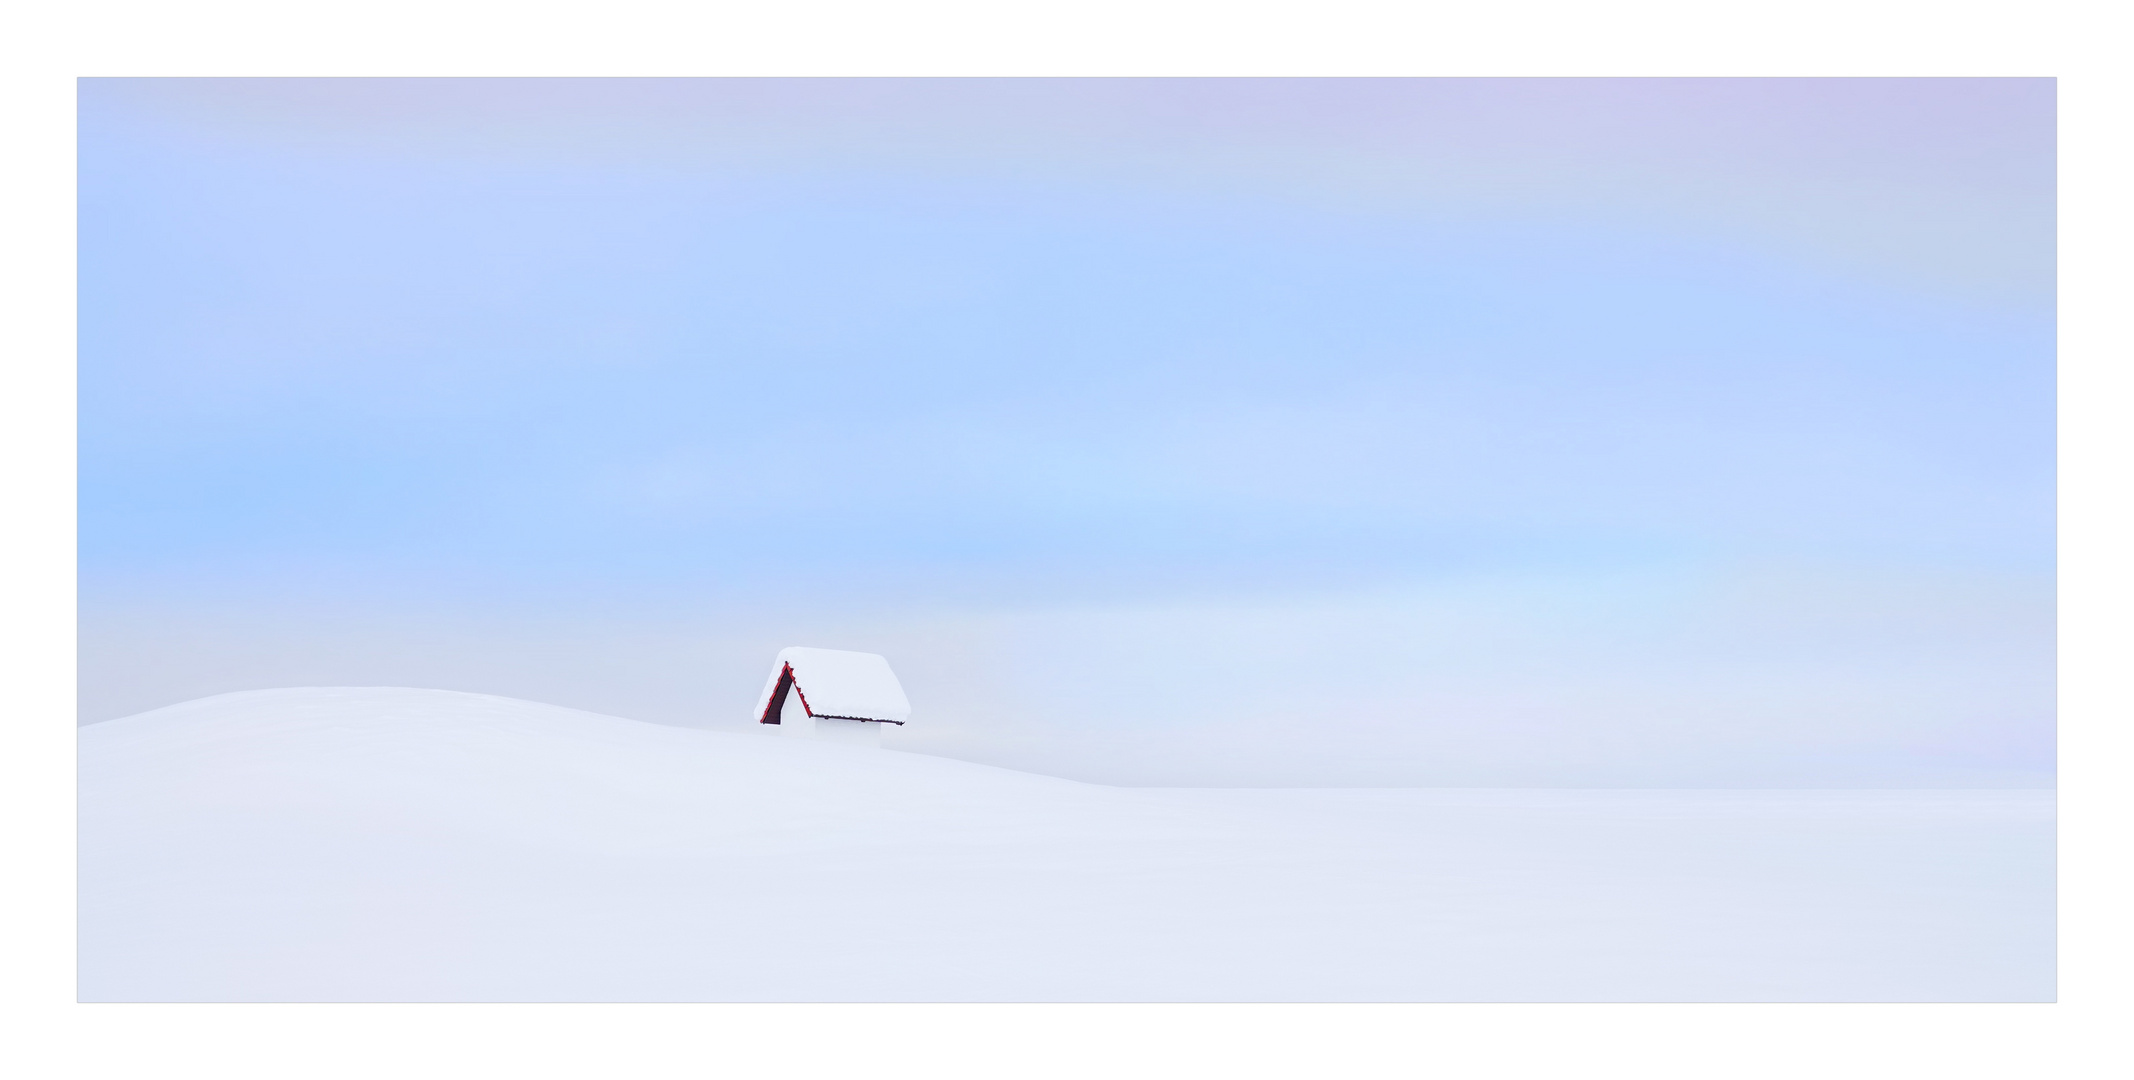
(1936,183)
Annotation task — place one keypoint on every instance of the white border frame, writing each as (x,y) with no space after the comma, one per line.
(51,46)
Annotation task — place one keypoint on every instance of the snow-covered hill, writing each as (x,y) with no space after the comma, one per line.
(392,844)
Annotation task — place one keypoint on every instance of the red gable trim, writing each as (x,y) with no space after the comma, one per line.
(776,706)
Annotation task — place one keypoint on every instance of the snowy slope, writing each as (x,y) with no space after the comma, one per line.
(389,844)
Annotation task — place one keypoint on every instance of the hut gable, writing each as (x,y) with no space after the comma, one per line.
(832,684)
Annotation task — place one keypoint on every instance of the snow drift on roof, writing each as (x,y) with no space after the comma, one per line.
(833,682)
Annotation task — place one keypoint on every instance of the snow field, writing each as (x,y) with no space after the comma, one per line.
(393,844)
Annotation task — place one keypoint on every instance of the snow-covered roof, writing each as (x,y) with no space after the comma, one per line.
(836,683)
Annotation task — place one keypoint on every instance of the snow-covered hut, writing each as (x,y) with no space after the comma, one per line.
(832,694)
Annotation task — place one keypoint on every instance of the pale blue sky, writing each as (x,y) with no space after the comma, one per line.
(948,368)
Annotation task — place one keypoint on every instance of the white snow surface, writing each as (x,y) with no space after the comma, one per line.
(834,682)
(395,844)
